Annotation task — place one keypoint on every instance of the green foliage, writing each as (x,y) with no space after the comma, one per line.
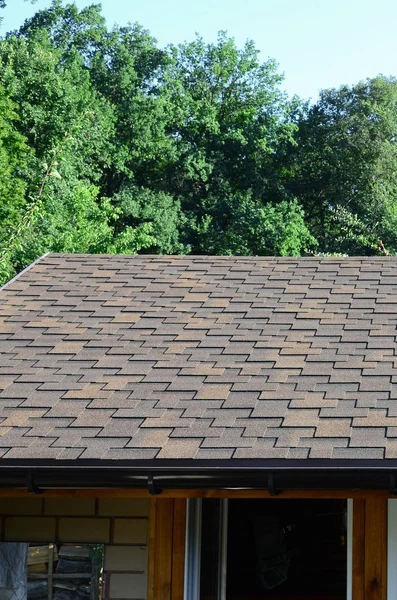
(109,143)
(52,96)
(250,228)
(228,119)
(140,205)
(346,157)
(14,155)
(351,233)
(76,221)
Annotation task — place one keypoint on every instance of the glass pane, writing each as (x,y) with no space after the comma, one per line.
(51,572)
(287,549)
(210,545)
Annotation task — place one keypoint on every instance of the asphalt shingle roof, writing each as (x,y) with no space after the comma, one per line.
(142,357)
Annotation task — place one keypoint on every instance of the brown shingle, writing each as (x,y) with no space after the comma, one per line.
(137,357)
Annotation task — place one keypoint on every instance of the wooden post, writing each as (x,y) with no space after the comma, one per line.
(370,549)
(152,547)
(375,549)
(163,544)
(178,554)
(166,549)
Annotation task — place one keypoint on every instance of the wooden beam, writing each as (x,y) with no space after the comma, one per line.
(163,549)
(178,549)
(375,580)
(228,493)
(152,547)
(166,549)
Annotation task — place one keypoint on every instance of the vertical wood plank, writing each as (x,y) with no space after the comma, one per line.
(163,551)
(376,549)
(358,549)
(152,547)
(178,549)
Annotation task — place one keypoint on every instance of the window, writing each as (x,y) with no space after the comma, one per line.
(51,572)
(270,548)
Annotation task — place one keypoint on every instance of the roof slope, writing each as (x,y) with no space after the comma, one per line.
(142,357)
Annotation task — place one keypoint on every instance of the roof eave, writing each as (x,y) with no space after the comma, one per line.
(156,475)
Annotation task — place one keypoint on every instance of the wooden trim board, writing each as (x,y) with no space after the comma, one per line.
(227,493)
(166,549)
(375,584)
(370,549)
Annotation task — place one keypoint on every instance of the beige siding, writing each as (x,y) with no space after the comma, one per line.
(122,524)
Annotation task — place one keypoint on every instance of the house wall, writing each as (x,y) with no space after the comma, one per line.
(122,524)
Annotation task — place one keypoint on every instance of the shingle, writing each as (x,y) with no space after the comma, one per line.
(131,453)
(351,453)
(369,384)
(230,438)
(213,392)
(275,357)
(301,418)
(120,427)
(289,437)
(19,417)
(214,453)
(78,436)
(94,416)
(241,400)
(334,428)
(323,447)
(270,408)
(149,438)
(261,449)
(178,448)
(368,436)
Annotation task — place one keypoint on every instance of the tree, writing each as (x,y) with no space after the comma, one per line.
(228,115)
(228,118)
(248,227)
(14,155)
(141,205)
(52,95)
(124,68)
(46,76)
(344,166)
(74,220)
(170,151)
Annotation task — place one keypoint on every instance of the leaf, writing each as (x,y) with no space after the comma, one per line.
(54,173)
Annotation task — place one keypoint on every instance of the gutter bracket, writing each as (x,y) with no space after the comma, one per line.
(270,485)
(31,486)
(153,491)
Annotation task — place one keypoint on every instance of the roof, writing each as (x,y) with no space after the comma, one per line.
(150,357)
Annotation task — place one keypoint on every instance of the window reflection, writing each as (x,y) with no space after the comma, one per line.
(51,572)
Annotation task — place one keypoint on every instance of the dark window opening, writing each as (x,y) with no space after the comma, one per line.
(291,549)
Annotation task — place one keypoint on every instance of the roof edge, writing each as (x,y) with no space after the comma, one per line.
(267,476)
(196,465)
(25,270)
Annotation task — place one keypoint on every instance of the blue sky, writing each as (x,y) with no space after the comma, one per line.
(317,43)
